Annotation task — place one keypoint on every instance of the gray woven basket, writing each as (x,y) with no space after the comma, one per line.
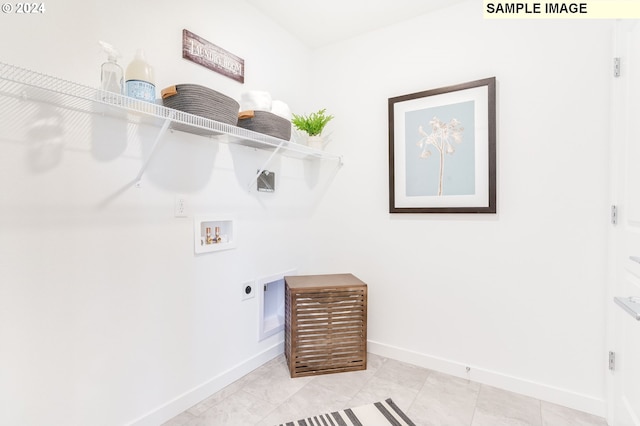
(265,122)
(201,101)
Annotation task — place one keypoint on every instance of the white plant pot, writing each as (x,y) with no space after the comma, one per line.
(315,142)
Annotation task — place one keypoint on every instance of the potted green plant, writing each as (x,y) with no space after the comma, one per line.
(312,124)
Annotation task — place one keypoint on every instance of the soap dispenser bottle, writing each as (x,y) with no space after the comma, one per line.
(111,75)
(140,79)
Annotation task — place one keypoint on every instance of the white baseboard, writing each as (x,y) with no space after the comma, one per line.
(564,397)
(190,398)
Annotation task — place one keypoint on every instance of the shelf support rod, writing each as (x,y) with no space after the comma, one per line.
(163,130)
(264,166)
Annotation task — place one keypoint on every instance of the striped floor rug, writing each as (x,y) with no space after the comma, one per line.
(376,414)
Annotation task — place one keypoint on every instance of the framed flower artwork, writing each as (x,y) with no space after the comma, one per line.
(442,150)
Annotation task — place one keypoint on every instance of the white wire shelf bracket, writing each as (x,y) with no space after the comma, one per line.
(25,84)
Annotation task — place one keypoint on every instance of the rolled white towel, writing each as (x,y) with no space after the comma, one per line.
(255,100)
(281,109)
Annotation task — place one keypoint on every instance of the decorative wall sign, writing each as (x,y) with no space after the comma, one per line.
(207,54)
(442,150)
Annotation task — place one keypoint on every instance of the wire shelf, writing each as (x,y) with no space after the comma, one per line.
(21,83)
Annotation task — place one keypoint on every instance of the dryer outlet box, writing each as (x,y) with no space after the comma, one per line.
(266,181)
(248,290)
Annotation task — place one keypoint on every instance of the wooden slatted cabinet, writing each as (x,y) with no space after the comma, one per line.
(325,324)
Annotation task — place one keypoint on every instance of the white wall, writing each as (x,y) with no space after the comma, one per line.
(517,296)
(106,314)
(107,317)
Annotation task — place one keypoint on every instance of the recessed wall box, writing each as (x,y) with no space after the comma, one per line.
(266,181)
(271,304)
(213,234)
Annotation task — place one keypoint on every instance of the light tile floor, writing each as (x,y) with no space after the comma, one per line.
(268,396)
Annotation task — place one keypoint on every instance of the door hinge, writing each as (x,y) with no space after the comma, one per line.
(616,67)
(614,214)
(612,360)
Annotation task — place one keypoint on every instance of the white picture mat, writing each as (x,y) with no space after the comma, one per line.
(481,113)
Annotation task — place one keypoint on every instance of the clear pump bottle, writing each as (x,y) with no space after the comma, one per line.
(111,75)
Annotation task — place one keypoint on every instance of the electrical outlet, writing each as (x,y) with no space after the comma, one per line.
(180,206)
(248,290)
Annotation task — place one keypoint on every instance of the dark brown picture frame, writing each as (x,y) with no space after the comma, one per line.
(418,182)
